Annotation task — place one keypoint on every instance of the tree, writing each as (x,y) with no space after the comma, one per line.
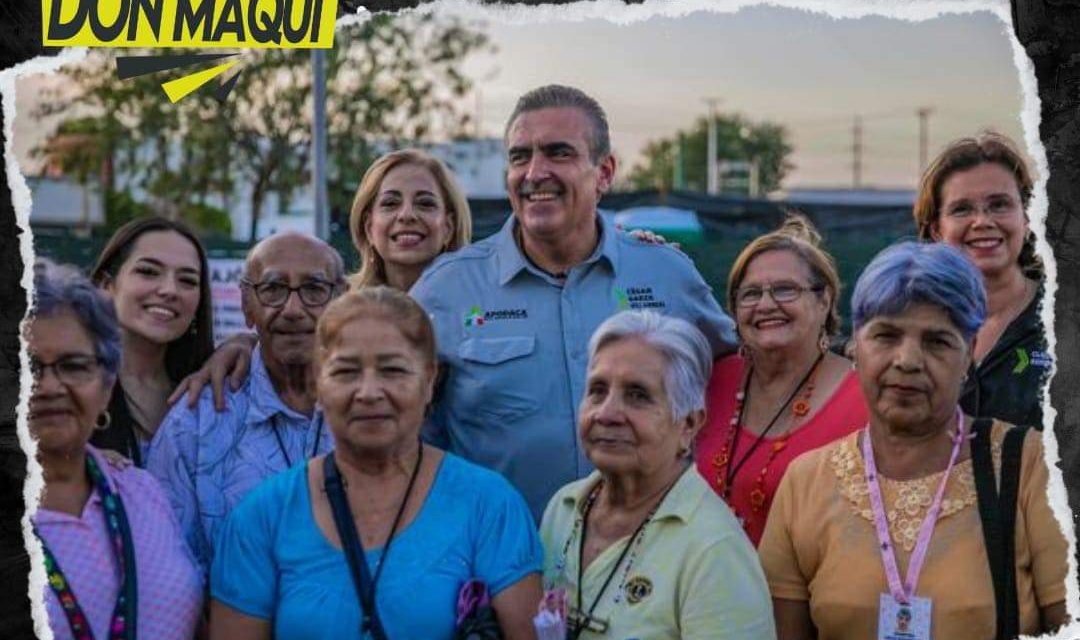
(390,81)
(738,139)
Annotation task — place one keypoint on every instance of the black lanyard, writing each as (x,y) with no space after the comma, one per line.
(733,466)
(586,617)
(281,443)
(354,550)
(122,625)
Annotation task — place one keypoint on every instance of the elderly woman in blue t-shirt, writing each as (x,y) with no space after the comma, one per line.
(425,522)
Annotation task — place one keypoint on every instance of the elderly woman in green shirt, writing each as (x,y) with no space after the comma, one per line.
(642,548)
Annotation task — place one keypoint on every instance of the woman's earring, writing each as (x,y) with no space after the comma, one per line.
(103,421)
(823,340)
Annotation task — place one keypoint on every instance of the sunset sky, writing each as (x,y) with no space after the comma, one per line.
(808,71)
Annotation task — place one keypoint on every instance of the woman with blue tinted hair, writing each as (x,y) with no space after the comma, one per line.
(888,531)
(116,564)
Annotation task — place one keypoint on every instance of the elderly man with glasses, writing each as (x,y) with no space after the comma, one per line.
(208,460)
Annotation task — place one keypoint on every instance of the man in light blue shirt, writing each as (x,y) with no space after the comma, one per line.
(513,313)
(208,460)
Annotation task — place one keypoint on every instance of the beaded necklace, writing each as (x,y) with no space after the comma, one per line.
(723,461)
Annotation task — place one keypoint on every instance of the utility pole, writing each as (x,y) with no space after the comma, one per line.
(318,143)
(856,153)
(678,180)
(712,186)
(754,188)
(479,109)
(924,136)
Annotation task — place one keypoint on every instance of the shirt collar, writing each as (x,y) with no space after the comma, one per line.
(512,259)
(44,517)
(265,402)
(680,503)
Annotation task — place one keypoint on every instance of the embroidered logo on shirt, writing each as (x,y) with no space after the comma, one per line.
(637,589)
(477,317)
(1040,359)
(637,298)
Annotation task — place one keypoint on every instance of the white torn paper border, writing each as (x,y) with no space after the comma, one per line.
(614,11)
(20,200)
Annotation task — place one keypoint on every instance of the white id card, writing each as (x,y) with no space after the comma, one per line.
(897,621)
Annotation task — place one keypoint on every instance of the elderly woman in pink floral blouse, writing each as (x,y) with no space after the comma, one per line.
(117,566)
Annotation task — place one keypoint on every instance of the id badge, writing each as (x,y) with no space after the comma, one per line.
(898,621)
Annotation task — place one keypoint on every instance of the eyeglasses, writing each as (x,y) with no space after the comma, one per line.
(780,291)
(313,293)
(72,371)
(995,206)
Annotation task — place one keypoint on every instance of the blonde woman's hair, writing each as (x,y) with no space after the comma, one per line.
(798,236)
(372,268)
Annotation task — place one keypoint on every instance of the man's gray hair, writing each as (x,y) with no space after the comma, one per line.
(555,96)
(689,357)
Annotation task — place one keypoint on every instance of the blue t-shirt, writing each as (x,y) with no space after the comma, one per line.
(273,562)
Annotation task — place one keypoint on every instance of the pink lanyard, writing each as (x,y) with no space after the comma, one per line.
(902,592)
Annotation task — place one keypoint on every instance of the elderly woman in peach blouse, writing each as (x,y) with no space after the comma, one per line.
(899,530)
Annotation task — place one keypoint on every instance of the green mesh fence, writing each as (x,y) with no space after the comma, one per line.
(853,235)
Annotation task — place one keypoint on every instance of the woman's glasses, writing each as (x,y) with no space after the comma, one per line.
(783,291)
(71,371)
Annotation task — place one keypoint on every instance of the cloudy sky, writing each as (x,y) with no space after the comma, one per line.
(809,71)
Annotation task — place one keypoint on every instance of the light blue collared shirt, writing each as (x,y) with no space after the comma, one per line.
(514,341)
(207,461)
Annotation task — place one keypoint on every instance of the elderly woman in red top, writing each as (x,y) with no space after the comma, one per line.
(784,393)
(117,566)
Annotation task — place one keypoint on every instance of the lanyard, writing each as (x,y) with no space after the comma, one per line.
(585,619)
(734,465)
(281,443)
(365,584)
(123,623)
(903,591)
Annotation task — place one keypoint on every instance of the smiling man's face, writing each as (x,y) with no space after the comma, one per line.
(287,332)
(553,183)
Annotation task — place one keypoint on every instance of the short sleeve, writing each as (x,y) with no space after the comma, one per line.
(725,589)
(153,495)
(434,430)
(1046,543)
(507,545)
(709,318)
(777,547)
(244,573)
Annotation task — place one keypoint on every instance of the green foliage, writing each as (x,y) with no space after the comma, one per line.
(391,81)
(208,219)
(738,139)
(120,207)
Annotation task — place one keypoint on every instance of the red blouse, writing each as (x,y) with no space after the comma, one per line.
(841,414)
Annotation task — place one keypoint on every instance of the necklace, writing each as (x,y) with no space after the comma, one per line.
(722,461)
(335,487)
(281,443)
(581,620)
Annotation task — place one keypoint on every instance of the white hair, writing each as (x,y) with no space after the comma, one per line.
(688,355)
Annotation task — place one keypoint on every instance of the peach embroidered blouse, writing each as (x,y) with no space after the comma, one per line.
(820,546)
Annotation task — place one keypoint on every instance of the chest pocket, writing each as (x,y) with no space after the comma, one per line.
(497,378)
